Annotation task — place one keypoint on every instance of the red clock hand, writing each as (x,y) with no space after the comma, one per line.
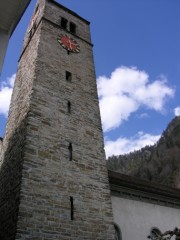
(70,44)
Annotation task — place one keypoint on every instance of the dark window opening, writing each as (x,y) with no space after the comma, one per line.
(72,208)
(155,234)
(72,27)
(68,76)
(69,106)
(64,23)
(70,151)
(118,235)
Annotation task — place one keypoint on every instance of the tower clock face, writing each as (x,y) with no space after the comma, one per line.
(69,44)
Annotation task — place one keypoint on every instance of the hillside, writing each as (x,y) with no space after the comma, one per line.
(131,162)
(159,163)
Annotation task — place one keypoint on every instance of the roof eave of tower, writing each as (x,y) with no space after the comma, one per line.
(11,13)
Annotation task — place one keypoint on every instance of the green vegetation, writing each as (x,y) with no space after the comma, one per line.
(158,163)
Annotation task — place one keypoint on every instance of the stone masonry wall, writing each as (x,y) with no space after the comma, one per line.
(10,181)
(12,147)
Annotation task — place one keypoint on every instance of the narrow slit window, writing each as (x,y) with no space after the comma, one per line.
(70,151)
(72,27)
(69,107)
(68,76)
(72,207)
(64,22)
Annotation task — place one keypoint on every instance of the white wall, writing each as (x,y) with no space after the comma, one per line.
(136,218)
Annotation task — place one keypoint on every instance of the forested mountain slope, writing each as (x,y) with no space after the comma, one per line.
(159,163)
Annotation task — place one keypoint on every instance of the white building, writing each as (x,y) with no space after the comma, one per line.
(142,209)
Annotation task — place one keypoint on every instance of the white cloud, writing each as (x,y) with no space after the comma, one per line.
(125,91)
(177,111)
(5,94)
(125,145)
(115,109)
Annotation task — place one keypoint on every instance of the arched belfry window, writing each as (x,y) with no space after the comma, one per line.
(118,235)
(64,23)
(72,27)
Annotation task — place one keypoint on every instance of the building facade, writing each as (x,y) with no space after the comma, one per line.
(54,182)
(143,210)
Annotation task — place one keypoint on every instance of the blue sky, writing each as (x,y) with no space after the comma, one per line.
(137,61)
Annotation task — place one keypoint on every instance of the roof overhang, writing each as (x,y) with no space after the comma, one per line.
(11,12)
(125,186)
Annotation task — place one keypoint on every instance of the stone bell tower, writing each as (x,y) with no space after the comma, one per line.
(53,176)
